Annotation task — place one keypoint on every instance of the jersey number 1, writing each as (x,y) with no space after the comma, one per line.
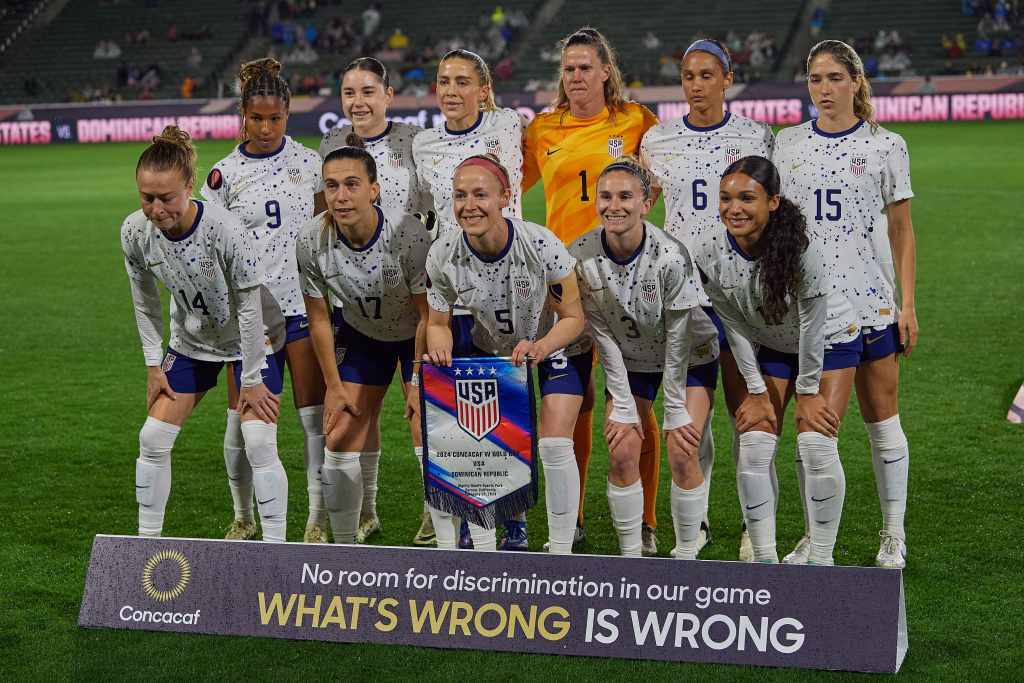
(584,197)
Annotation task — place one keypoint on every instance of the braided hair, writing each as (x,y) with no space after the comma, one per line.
(262,78)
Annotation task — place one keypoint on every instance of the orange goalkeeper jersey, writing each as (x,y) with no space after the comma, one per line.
(569,153)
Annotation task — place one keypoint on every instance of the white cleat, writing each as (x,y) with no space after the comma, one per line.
(368,526)
(746,549)
(242,531)
(426,536)
(892,553)
(800,553)
(704,535)
(648,542)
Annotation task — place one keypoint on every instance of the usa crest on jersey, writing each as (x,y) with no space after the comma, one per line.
(295,175)
(477,404)
(616,143)
(392,276)
(649,292)
(732,153)
(493,146)
(208,268)
(523,287)
(858,163)
(395,159)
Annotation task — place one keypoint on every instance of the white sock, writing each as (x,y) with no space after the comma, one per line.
(626,504)
(418,452)
(369,461)
(688,506)
(801,480)
(483,539)
(268,478)
(706,453)
(890,458)
(237,465)
(153,474)
(341,478)
(826,491)
(757,496)
(311,418)
(444,528)
(561,492)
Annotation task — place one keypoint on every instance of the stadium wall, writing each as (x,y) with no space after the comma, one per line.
(911,100)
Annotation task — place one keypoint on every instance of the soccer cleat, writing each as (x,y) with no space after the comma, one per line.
(426,535)
(649,541)
(892,553)
(242,531)
(800,553)
(368,526)
(465,539)
(746,548)
(314,533)
(515,536)
(703,536)
(579,538)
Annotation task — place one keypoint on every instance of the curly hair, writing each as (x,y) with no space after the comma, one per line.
(783,241)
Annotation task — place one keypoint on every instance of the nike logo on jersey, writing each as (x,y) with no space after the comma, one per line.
(466,291)
(754,507)
(564,374)
(552,151)
(822,500)
(889,462)
(872,341)
(796,166)
(303,324)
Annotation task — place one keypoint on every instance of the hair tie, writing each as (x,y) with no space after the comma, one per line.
(490,166)
(712,48)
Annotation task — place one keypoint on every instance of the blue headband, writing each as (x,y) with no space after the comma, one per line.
(708,46)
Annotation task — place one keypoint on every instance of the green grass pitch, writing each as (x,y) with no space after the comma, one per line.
(74,401)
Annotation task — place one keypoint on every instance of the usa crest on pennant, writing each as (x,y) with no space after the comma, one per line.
(477,403)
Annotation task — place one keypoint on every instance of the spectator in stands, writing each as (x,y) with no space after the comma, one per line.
(151,77)
(986,27)
(927,88)
(398,40)
(371,19)
(188,87)
(302,54)
(503,69)
(651,41)
(498,16)
(195,57)
(817,21)
(106,49)
(172,33)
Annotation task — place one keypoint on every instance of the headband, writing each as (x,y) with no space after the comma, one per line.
(712,48)
(490,166)
(633,170)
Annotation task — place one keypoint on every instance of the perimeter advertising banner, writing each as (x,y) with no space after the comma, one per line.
(597,606)
(780,104)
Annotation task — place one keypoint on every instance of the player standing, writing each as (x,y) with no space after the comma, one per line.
(688,156)
(591,125)
(270,183)
(371,261)
(366,94)
(515,278)
(851,177)
(772,285)
(215,277)
(641,299)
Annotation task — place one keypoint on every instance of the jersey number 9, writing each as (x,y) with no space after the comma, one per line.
(273,213)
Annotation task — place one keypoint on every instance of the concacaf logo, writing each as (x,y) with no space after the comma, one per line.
(151,568)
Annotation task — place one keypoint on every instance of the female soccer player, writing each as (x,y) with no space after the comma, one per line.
(270,183)
(769,281)
(371,261)
(366,94)
(688,156)
(851,177)
(473,125)
(200,254)
(514,277)
(642,306)
(591,124)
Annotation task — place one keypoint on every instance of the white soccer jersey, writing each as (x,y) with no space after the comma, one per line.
(843,182)
(374,283)
(506,294)
(201,269)
(689,161)
(438,151)
(631,297)
(272,194)
(396,171)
